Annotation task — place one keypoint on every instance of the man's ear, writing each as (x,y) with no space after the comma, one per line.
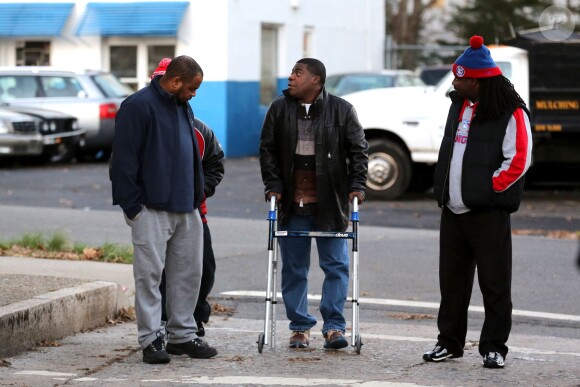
(174,84)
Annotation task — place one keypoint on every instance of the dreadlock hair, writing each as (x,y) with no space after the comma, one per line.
(496,96)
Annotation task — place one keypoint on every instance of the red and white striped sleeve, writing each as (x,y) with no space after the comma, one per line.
(517,152)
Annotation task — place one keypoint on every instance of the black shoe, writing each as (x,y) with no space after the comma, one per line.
(200,329)
(493,360)
(439,353)
(195,348)
(155,352)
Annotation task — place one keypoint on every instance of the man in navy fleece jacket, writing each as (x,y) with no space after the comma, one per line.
(157,180)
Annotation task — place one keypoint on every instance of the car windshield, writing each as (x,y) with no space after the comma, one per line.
(111,86)
(351,83)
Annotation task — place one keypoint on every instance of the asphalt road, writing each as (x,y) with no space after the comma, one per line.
(539,261)
(399,285)
(240,195)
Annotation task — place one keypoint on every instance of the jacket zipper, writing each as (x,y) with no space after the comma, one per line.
(449,163)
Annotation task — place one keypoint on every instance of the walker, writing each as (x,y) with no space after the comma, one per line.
(268,336)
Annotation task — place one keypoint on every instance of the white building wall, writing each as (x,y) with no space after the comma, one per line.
(224,36)
(348,35)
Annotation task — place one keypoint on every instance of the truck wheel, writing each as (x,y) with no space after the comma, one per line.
(389,170)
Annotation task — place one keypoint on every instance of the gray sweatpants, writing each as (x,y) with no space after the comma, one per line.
(173,241)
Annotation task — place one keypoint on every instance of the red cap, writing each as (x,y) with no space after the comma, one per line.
(161,67)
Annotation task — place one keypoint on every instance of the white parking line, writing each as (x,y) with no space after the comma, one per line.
(415,304)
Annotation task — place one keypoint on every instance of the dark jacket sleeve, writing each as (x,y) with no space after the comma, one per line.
(130,124)
(213,159)
(357,151)
(269,165)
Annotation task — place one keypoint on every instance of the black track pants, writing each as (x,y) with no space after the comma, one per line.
(479,239)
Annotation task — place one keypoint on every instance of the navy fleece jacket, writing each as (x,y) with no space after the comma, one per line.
(146,147)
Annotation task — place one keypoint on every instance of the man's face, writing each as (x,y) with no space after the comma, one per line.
(302,84)
(184,91)
(466,88)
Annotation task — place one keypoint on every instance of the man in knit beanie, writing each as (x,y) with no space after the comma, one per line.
(478,183)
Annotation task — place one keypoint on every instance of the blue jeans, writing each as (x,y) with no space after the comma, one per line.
(334,261)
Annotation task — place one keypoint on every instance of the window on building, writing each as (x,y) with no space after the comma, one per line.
(307,45)
(32,53)
(133,61)
(123,63)
(155,54)
(269,64)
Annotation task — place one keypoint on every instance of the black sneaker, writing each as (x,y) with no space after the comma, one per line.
(493,360)
(155,352)
(439,353)
(200,329)
(195,348)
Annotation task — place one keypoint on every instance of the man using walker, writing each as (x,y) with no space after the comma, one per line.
(313,158)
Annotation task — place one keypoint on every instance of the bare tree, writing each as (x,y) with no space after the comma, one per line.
(404,24)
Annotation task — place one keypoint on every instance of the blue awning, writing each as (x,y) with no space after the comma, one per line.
(33,19)
(133,19)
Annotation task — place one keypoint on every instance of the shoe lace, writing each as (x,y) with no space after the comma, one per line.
(295,334)
(495,356)
(331,332)
(197,341)
(159,342)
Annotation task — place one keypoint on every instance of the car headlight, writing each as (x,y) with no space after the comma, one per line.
(75,125)
(52,126)
(4,127)
(45,126)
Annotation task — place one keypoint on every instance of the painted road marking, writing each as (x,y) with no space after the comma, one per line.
(414,304)
(45,373)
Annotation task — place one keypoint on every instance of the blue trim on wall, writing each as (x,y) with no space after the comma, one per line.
(232,109)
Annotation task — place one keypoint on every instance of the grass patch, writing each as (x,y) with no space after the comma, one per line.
(58,246)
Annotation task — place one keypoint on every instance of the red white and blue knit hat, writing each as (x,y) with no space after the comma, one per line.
(476,61)
(161,67)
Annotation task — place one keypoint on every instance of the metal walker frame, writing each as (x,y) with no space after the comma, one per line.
(268,336)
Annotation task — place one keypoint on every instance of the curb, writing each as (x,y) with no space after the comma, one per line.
(54,315)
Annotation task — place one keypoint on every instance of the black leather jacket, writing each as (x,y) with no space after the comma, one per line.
(341,156)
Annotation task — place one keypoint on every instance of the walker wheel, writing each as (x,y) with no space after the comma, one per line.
(358,344)
(260,342)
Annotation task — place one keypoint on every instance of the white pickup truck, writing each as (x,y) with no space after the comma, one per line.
(404,126)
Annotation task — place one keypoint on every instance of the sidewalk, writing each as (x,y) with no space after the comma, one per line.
(55,298)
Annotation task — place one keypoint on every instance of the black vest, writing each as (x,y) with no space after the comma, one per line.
(483,156)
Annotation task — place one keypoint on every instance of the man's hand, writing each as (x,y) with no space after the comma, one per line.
(359,195)
(270,194)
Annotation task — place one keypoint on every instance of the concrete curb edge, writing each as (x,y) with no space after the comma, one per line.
(54,315)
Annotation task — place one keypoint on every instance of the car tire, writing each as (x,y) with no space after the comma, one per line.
(390,170)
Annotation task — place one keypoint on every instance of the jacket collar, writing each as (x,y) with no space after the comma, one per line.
(155,84)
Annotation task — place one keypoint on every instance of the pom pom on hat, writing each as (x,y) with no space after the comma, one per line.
(161,67)
(476,41)
(476,61)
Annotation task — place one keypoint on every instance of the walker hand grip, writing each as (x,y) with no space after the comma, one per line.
(273,203)
(355,204)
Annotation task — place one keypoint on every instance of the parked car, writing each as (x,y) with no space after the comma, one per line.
(342,84)
(91,96)
(431,75)
(50,135)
